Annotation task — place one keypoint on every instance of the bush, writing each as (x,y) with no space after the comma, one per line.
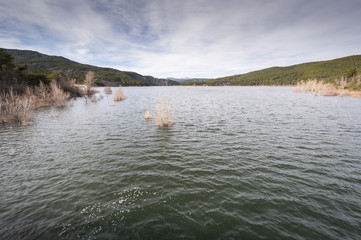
(119,95)
(164,116)
(147,115)
(58,96)
(15,108)
(108,90)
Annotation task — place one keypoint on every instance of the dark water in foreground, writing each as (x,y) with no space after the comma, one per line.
(239,163)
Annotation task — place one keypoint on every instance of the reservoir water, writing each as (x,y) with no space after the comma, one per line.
(239,163)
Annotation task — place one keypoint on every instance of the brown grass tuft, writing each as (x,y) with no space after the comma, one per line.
(94,99)
(16,108)
(147,115)
(119,95)
(164,116)
(343,86)
(108,90)
(58,96)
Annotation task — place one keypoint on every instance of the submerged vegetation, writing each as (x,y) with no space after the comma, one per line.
(108,90)
(163,117)
(147,115)
(119,95)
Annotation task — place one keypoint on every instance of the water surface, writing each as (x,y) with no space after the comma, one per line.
(239,163)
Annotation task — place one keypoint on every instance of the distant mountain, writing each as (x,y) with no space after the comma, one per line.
(291,75)
(180,80)
(45,64)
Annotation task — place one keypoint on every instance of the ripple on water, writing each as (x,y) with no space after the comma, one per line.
(239,163)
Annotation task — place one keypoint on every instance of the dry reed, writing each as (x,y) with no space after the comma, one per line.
(108,90)
(58,96)
(147,115)
(119,95)
(318,86)
(16,108)
(343,86)
(164,116)
(94,99)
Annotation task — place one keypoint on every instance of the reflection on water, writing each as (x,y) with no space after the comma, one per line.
(239,162)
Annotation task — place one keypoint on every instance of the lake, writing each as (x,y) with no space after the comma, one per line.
(238,163)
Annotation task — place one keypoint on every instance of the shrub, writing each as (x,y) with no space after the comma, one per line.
(147,115)
(108,90)
(94,99)
(89,80)
(16,109)
(119,95)
(58,96)
(164,116)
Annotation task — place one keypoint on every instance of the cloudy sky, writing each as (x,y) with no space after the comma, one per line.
(184,38)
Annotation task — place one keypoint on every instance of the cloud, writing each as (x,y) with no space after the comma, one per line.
(198,38)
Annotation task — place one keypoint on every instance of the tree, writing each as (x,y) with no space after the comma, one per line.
(6,60)
(89,79)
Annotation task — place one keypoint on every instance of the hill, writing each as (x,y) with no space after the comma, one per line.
(39,63)
(291,75)
(181,80)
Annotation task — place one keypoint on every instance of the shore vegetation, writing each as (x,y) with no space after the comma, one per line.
(343,86)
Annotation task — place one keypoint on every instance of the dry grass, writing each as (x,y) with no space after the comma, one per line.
(316,86)
(89,80)
(326,89)
(16,108)
(147,115)
(296,90)
(119,95)
(94,99)
(58,98)
(355,94)
(342,83)
(164,117)
(343,86)
(20,109)
(108,90)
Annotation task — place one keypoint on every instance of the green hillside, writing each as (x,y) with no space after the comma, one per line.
(291,75)
(44,64)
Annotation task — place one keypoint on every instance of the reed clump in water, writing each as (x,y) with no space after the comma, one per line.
(119,95)
(147,115)
(163,117)
(108,90)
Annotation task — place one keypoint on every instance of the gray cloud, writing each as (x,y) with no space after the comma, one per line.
(195,38)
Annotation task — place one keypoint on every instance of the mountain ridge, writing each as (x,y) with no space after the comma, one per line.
(45,64)
(328,70)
